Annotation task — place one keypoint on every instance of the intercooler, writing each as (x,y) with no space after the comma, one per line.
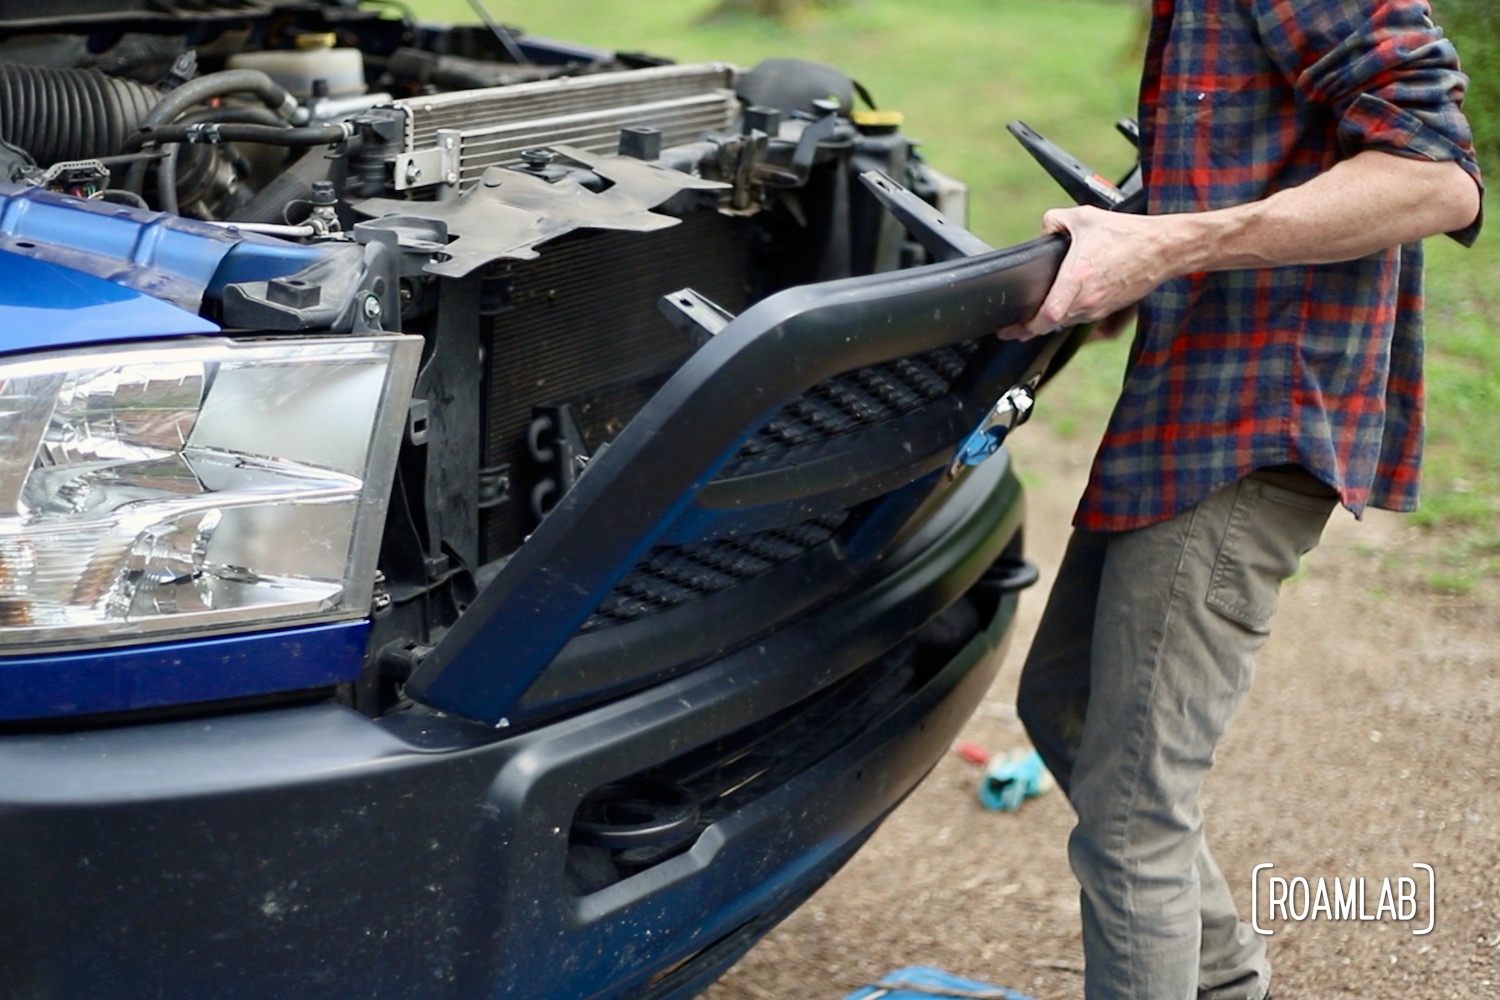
(452,138)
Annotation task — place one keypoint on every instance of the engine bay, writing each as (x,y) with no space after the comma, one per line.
(282,117)
(92,85)
(536,211)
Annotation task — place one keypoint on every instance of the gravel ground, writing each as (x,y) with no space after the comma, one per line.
(1368,744)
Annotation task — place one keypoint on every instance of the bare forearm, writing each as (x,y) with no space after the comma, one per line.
(1364,204)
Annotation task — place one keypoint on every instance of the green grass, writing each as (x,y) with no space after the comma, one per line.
(1462,471)
(1474,26)
(961,69)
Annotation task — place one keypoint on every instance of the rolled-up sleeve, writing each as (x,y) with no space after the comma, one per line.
(1383,69)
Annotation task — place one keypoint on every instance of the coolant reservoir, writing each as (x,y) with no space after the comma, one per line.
(315,58)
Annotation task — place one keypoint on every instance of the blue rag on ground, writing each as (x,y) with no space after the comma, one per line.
(932,983)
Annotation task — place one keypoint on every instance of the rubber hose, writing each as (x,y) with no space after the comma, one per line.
(306,135)
(205,88)
(69,114)
(166,181)
(247,115)
(230,81)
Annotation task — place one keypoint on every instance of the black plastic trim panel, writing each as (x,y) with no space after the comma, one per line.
(644,489)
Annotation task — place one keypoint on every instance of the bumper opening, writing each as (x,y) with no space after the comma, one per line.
(631,825)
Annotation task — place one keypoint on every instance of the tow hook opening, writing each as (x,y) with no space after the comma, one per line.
(626,827)
(1010,574)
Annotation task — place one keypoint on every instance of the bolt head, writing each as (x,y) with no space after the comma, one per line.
(537,158)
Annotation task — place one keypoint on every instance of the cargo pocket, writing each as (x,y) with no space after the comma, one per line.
(1270,529)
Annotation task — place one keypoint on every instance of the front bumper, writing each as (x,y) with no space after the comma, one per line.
(313,852)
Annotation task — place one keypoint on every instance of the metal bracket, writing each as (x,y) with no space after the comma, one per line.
(695,315)
(814,134)
(1010,412)
(939,235)
(427,167)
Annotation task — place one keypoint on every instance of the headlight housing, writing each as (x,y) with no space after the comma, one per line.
(217,485)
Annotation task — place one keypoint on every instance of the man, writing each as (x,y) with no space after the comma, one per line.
(1294,150)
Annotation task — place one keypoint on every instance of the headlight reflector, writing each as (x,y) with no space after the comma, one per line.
(216,485)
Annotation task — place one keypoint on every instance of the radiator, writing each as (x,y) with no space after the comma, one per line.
(580,326)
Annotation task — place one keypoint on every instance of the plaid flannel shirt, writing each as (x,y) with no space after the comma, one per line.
(1315,365)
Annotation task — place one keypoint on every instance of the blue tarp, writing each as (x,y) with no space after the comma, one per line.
(930,984)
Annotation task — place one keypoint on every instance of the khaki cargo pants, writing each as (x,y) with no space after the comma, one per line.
(1145,650)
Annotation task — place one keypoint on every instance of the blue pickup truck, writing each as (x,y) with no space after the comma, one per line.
(482,516)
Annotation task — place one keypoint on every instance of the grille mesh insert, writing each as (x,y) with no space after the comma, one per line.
(854,401)
(673,575)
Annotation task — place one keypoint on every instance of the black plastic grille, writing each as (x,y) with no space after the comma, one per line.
(854,401)
(673,575)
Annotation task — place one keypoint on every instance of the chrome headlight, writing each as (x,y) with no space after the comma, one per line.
(151,491)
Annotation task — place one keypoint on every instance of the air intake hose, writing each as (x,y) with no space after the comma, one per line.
(70,114)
